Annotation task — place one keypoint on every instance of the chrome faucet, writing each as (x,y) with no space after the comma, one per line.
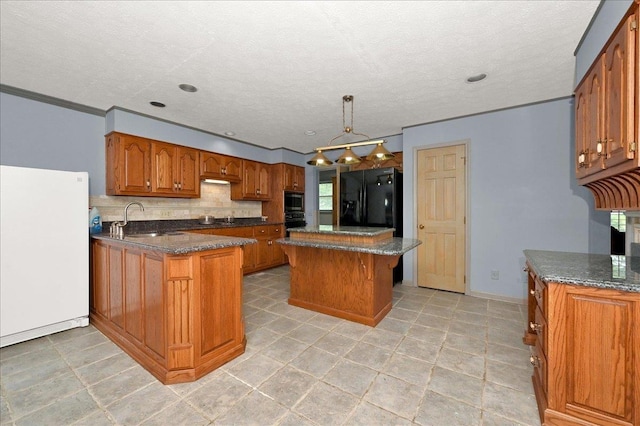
(126,208)
(117,228)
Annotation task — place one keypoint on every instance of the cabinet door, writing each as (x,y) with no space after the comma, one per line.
(288,176)
(164,179)
(220,302)
(134,168)
(595,118)
(263,253)
(264,183)
(592,337)
(211,165)
(250,179)
(619,95)
(232,169)
(188,172)
(298,182)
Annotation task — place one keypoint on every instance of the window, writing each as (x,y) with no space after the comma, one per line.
(325,196)
(618,230)
(619,220)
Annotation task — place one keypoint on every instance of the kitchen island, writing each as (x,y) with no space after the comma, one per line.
(172,300)
(344,271)
(584,311)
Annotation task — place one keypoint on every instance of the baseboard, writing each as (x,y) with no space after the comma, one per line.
(497,297)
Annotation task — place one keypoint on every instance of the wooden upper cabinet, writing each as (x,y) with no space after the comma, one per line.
(175,170)
(218,166)
(145,167)
(590,121)
(293,178)
(188,171)
(620,64)
(164,177)
(607,109)
(255,183)
(128,165)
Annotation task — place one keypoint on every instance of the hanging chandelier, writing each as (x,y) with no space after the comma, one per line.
(378,154)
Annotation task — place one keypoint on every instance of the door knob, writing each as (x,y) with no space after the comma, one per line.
(421,226)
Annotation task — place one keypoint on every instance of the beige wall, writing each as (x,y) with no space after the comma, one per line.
(215,200)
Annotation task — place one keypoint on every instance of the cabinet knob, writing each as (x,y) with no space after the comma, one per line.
(258,191)
(525,269)
(535,361)
(535,326)
(149,184)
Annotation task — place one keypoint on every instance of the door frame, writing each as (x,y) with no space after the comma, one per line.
(467,226)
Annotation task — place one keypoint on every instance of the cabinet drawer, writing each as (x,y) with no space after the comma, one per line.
(539,362)
(268,231)
(539,326)
(241,232)
(540,293)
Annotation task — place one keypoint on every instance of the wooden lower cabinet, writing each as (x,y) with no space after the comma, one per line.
(263,254)
(586,354)
(179,316)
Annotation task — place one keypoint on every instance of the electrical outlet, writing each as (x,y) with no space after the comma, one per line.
(495,274)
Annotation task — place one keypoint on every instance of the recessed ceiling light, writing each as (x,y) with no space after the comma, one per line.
(188,88)
(230,133)
(310,132)
(476,78)
(157,104)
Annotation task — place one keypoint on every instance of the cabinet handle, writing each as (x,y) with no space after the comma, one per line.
(535,361)
(180,186)
(535,326)
(224,170)
(175,185)
(148,184)
(258,191)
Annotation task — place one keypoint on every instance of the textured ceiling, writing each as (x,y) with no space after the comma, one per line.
(269,71)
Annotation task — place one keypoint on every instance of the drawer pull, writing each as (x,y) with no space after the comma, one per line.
(535,327)
(535,361)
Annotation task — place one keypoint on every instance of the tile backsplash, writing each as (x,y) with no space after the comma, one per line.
(214,200)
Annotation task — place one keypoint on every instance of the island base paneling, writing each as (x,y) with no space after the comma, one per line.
(179,316)
(354,286)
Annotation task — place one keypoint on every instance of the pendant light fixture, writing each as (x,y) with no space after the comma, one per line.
(349,157)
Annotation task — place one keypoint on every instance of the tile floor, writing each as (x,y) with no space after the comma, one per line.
(437,359)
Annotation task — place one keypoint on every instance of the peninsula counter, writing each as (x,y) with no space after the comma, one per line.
(344,271)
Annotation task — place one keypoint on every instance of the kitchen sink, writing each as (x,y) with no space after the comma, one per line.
(152,234)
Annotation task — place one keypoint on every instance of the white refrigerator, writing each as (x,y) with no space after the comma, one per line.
(44,252)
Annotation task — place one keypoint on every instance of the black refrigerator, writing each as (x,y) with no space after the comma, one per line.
(373,198)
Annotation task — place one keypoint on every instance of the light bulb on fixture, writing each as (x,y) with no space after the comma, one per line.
(320,160)
(349,157)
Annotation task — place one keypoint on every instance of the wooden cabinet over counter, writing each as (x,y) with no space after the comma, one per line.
(606,112)
(177,314)
(149,168)
(255,183)
(584,312)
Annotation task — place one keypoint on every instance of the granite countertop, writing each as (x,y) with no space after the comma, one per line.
(389,247)
(177,242)
(140,226)
(593,270)
(343,230)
